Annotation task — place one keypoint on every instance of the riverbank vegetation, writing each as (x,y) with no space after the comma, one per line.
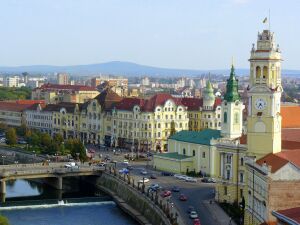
(4,220)
(42,143)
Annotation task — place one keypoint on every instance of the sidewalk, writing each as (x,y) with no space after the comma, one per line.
(218,213)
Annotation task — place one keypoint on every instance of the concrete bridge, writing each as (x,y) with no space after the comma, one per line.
(53,173)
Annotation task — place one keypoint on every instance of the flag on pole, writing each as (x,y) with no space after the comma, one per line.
(265,20)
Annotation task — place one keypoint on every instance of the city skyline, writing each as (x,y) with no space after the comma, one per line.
(150,33)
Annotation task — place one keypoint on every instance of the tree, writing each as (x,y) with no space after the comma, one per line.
(4,220)
(11,136)
(78,149)
(34,139)
(21,131)
(3,127)
(58,138)
(45,140)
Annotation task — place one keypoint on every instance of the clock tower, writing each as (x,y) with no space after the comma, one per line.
(264,93)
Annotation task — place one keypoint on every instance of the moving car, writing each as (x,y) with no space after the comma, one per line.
(144,172)
(124,171)
(193,215)
(175,189)
(102,164)
(154,187)
(153,176)
(196,222)
(208,180)
(183,197)
(166,194)
(72,165)
(146,180)
(190,209)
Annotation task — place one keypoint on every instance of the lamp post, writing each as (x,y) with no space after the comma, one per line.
(3,156)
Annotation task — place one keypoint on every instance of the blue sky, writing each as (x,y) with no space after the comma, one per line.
(191,34)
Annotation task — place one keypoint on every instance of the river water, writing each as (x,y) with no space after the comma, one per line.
(31,203)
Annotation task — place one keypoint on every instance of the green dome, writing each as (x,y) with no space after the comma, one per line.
(209,91)
(232,93)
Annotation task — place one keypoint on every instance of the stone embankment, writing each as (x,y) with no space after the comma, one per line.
(145,207)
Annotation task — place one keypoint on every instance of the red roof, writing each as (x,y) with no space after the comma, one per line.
(66,87)
(292,156)
(291,214)
(218,101)
(275,161)
(290,116)
(192,103)
(26,102)
(12,106)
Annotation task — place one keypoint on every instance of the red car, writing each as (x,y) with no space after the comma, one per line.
(183,197)
(197,222)
(166,194)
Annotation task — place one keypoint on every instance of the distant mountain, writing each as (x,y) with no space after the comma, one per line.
(122,68)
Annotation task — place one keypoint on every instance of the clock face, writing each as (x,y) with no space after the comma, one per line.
(260,104)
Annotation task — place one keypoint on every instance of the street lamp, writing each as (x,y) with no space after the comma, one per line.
(3,156)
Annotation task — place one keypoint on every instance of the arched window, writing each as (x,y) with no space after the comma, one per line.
(258,72)
(225,117)
(265,72)
(194,153)
(183,151)
(242,161)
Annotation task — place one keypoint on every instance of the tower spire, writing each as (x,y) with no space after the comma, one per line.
(232,94)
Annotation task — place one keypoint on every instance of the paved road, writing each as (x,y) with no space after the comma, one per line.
(199,194)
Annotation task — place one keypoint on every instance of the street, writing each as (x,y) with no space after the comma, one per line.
(197,193)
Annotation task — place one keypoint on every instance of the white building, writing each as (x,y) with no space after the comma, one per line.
(11,81)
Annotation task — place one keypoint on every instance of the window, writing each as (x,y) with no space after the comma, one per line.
(158,134)
(183,151)
(242,161)
(194,153)
(180,125)
(241,193)
(241,178)
(225,117)
(203,155)
(158,117)
(225,190)
(236,117)
(158,125)
(180,117)
(166,117)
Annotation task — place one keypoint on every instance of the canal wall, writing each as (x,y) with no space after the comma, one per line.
(134,201)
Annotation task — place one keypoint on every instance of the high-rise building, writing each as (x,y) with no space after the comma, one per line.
(62,78)
(11,81)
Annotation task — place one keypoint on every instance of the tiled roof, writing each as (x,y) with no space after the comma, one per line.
(290,116)
(291,155)
(173,155)
(108,99)
(12,106)
(218,102)
(69,106)
(26,102)
(276,162)
(66,87)
(192,104)
(198,137)
(149,105)
(289,215)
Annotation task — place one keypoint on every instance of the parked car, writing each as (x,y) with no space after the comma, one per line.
(2,140)
(208,180)
(175,189)
(190,179)
(166,173)
(166,193)
(183,197)
(71,165)
(153,176)
(193,215)
(146,180)
(125,161)
(144,172)
(177,176)
(196,222)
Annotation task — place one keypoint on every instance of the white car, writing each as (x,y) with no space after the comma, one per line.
(178,176)
(190,179)
(146,180)
(193,215)
(183,177)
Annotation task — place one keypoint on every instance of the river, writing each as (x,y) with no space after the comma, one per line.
(32,203)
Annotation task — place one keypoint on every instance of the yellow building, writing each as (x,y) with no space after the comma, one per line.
(56,93)
(146,124)
(190,151)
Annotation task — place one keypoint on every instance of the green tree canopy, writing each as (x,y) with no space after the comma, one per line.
(11,136)
(4,220)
